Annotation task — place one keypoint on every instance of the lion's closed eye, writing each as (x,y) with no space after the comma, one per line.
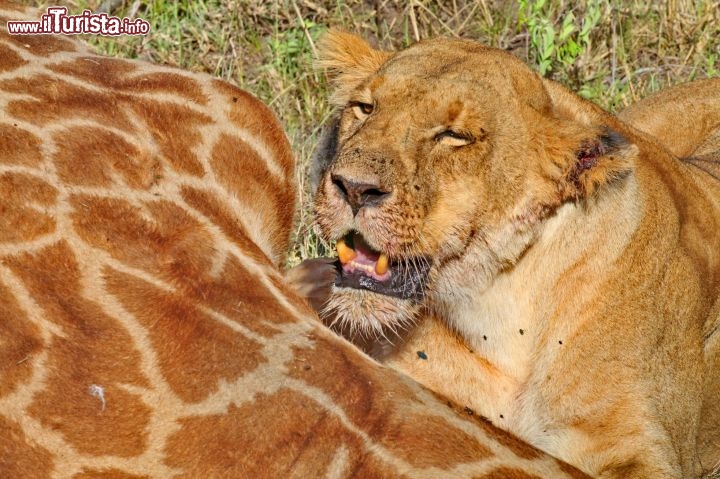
(454,138)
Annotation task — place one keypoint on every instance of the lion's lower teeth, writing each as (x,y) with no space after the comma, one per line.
(381,266)
(345,253)
(365,267)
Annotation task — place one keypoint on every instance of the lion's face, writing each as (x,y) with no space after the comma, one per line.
(445,159)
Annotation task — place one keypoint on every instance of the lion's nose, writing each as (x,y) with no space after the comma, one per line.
(359,193)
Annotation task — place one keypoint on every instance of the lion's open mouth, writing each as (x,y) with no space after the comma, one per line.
(361,267)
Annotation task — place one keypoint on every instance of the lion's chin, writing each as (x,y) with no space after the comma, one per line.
(361,313)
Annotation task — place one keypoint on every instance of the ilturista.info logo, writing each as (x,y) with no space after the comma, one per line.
(57,21)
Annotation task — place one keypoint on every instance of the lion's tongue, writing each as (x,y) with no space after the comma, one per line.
(363,259)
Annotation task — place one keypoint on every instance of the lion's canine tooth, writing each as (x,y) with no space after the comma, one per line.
(345,253)
(381,266)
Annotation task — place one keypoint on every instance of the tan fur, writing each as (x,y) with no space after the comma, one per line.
(577,258)
(685,118)
(145,328)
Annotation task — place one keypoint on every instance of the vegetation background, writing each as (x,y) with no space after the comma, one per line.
(610,51)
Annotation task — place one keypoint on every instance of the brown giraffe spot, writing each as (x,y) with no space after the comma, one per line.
(57,101)
(366,396)
(96,419)
(107,474)
(20,340)
(10,59)
(239,294)
(291,295)
(105,72)
(20,458)
(217,211)
(571,471)
(371,467)
(12,7)
(507,473)
(300,438)
(162,240)
(168,121)
(24,188)
(20,220)
(42,45)
(441,444)
(18,146)
(195,351)
(244,173)
(241,103)
(116,74)
(355,393)
(497,435)
(518,447)
(91,156)
(94,351)
(168,83)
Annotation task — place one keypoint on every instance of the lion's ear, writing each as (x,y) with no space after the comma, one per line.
(583,143)
(348,60)
(598,160)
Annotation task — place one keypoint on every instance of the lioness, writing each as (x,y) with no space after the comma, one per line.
(574,255)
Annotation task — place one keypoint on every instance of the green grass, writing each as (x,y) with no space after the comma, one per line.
(612,52)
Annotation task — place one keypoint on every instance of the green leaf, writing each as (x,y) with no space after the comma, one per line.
(568,27)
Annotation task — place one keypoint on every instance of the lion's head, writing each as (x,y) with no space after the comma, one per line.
(440,168)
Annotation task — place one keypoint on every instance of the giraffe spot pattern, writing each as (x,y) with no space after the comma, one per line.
(124,75)
(106,72)
(107,474)
(12,60)
(154,236)
(91,156)
(232,158)
(508,473)
(18,146)
(92,348)
(305,441)
(403,435)
(20,340)
(214,209)
(41,45)
(194,351)
(19,458)
(54,100)
(24,215)
(256,124)
(168,121)
(168,243)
